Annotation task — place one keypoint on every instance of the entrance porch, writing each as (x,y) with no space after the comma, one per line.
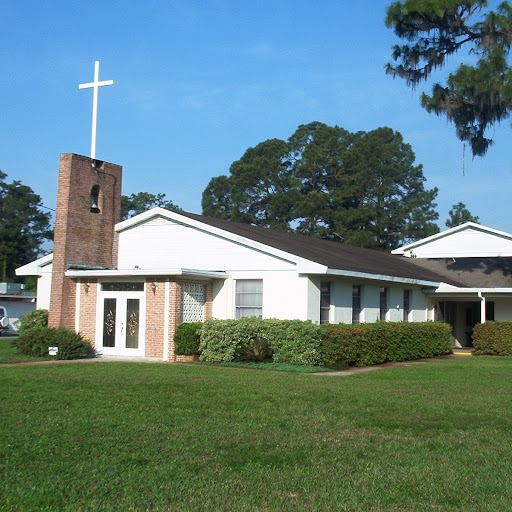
(463,310)
(463,316)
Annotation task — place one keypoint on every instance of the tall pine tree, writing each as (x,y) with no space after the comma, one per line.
(475,96)
(361,188)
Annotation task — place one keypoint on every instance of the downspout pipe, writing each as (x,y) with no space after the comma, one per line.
(482,307)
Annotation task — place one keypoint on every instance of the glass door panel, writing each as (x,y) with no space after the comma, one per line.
(109,322)
(132,323)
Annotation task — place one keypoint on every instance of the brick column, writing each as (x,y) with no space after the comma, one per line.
(155,317)
(83,235)
(174,316)
(88,296)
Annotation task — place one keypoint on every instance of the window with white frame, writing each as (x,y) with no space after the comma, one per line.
(325,302)
(356,303)
(248,298)
(193,298)
(383,310)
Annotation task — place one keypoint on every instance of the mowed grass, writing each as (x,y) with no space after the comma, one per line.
(8,354)
(159,437)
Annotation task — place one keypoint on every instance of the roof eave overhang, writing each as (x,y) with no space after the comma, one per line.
(139,273)
(382,277)
(34,267)
(19,298)
(471,292)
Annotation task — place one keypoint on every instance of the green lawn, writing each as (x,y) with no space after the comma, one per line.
(8,353)
(159,437)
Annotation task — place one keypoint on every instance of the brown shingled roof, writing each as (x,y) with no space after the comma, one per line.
(331,254)
(490,272)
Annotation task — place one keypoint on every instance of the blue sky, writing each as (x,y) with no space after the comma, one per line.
(198,82)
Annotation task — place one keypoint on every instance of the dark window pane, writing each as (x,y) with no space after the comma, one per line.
(109,322)
(132,323)
(325,302)
(383,304)
(406,307)
(122,287)
(356,303)
(489,311)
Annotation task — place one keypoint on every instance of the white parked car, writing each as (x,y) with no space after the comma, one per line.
(4,319)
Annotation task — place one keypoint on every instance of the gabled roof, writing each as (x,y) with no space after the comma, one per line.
(333,255)
(338,258)
(34,267)
(410,248)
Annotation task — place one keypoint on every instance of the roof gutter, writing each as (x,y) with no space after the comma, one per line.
(134,273)
(472,292)
(381,277)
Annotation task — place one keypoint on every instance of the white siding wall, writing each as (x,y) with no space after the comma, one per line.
(221,302)
(467,243)
(285,295)
(419,306)
(44,287)
(396,298)
(370,303)
(341,297)
(313,300)
(160,244)
(502,309)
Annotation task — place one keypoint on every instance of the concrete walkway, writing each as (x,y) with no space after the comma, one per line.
(354,370)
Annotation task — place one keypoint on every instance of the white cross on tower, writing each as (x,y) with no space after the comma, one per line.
(95,86)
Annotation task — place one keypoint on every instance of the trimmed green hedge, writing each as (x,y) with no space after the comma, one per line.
(187,338)
(284,341)
(35,342)
(381,342)
(493,339)
(295,342)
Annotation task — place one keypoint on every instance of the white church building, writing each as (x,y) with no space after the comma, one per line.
(126,285)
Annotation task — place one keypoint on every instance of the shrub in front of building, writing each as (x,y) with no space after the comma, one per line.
(227,340)
(381,342)
(34,318)
(281,341)
(295,342)
(187,338)
(493,339)
(37,340)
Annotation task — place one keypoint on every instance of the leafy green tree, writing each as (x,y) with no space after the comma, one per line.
(390,204)
(23,226)
(217,201)
(143,201)
(475,96)
(458,215)
(362,188)
(318,152)
(261,189)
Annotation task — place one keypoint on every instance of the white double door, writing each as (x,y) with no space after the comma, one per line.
(122,327)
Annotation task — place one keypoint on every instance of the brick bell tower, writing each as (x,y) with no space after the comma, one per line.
(88,207)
